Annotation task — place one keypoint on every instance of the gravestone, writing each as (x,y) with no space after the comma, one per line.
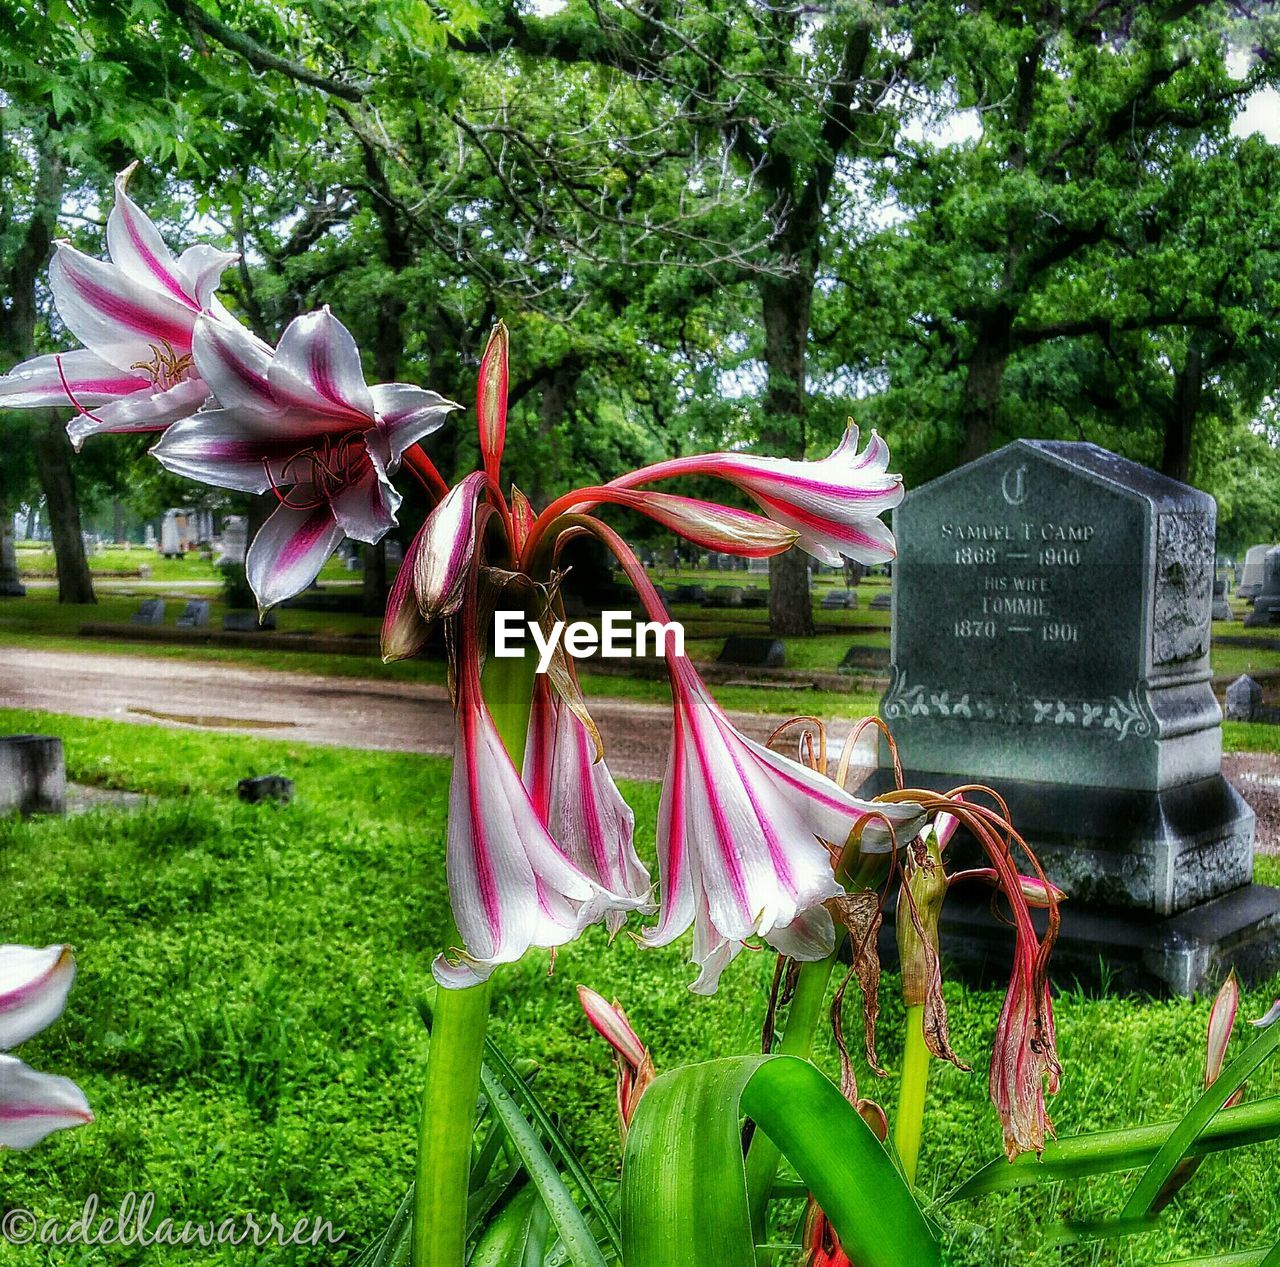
(10,584)
(859,659)
(725,596)
(235,540)
(170,536)
(1243,699)
(1051,639)
(836,600)
(195,615)
(149,537)
(150,612)
(33,775)
(1221,608)
(756,652)
(690,594)
(1266,606)
(883,601)
(755,598)
(1251,578)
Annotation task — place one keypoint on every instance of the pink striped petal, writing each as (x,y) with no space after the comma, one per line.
(140,412)
(235,365)
(491,400)
(201,268)
(406,414)
(708,524)
(291,548)
(448,546)
(317,367)
(40,383)
(579,803)
(127,323)
(366,507)
(404,632)
(228,449)
(33,990)
(610,1022)
(136,247)
(33,1105)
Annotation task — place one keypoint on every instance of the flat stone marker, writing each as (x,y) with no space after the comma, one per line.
(1251,577)
(691,594)
(725,596)
(1051,639)
(858,659)
(265,787)
(837,600)
(195,615)
(33,775)
(755,598)
(247,622)
(1243,699)
(754,652)
(882,602)
(150,612)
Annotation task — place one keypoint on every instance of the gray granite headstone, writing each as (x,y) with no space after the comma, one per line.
(195,615)
(690,594)
(1266,605)
(1243,699)
(1251,577)
(33,775)
(837,600)
(883,601)
(725,596)
(247,621)
(1052,607)
(235,539)
(1221,607)
(150,612)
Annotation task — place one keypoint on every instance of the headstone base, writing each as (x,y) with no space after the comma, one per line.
(10,586)
(1184,954)
(1156,853)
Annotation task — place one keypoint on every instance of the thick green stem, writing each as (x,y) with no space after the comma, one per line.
(452,1083)
(797,1040)
(908,1122)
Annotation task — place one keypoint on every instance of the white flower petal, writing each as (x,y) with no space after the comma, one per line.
(33,990)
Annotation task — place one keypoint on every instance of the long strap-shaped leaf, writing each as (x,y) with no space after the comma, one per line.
(684,1193)
(571,1226)
(1101,1152)
(1242,1258)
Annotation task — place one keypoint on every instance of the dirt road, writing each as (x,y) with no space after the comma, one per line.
(354,712)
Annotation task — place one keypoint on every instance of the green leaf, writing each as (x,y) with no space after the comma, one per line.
(684,1193)
(1102,1152)
(1246,1258)
(568,1219)
(592,1201)
(393,1249)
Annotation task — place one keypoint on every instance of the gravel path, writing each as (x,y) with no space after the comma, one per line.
(305,707)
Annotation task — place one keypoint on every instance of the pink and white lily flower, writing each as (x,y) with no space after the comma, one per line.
(302,423)
(741,832)
(579,802)
(833,505)
(33,991)
(512,885)
(135,315)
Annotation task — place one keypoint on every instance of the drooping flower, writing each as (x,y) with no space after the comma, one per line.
(511,884)
(33,991)
(634,1063)
(741,834)
(135,314)
(577,799)
(301,422)
(833,505)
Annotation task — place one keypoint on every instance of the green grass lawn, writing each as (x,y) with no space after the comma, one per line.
(244,1027)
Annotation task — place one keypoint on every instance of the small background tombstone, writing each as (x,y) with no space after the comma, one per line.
(753,652)
(265,787)
(837,600)
(33,775)
(725,596)
(1266,605)
(1243,699)
(195,615)
(247,622)
(1251,576)
(150,612)
(1221,608)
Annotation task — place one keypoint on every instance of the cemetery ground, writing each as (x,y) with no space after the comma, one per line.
(244,1021)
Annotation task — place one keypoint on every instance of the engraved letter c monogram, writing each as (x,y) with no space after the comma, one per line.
(1014,485)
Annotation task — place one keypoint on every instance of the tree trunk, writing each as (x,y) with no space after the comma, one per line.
(58,480)
(373,591)
(10,584)
(786,303)
(981,401)
(1179,427)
